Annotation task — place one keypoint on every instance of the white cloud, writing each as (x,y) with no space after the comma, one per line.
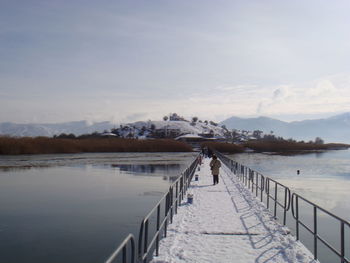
(319,96)
(323,87)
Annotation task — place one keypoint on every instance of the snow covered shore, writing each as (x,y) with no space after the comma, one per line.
(226,223)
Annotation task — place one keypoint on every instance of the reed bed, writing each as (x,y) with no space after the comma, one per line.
(286,146)
(45,145)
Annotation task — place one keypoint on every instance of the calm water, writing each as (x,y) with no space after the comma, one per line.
(78,207)
(324,179)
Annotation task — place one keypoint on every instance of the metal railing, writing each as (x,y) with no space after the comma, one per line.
(163,212)
(277,188)
(260,185)
(247,175)
(314,230)
(123,248)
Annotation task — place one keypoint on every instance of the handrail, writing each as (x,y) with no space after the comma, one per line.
(291,200)
(170,207)
(123,248)
(314,231)
(287,197)
(256,182)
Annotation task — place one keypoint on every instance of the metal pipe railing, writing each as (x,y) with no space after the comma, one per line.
(169,204)
(290,200)
(316,236)
(123,248)
(286,197)
(169,209)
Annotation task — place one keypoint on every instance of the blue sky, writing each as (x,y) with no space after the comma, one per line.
(137,60)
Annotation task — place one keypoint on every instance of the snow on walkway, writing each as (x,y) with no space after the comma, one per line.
(226,223)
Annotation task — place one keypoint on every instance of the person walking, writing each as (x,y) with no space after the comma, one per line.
(215,165)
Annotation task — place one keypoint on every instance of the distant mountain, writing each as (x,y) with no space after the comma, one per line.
(32,130)
(333,129)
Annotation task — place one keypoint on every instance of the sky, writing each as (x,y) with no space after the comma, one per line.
(132,60)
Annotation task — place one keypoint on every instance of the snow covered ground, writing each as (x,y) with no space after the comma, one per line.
(226,223)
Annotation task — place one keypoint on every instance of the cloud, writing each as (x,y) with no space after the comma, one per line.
(281,92)
(136,117)
(323,87)
(260,107)
(325,95)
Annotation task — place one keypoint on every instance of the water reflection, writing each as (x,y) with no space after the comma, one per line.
(148,168)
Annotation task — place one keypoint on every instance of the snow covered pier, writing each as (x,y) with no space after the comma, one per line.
(226,223)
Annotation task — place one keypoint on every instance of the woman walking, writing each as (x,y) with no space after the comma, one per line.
(215,165)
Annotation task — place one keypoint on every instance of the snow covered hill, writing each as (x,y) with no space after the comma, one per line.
(184,127)
(83,127)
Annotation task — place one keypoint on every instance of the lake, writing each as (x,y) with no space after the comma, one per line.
(78,207)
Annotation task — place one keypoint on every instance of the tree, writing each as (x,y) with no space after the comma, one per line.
(257,134)
(66,136)
(153,127)
(206,122)
(115,131)
(165,118)
(213,123)
(194,119)
(318,140)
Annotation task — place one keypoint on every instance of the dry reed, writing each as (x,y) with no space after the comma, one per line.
(286,146)
(45,145)
(224,147)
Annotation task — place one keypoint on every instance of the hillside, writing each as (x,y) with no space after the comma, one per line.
(82,127)
(333,129)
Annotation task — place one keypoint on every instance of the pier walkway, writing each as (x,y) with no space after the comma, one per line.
(226,223)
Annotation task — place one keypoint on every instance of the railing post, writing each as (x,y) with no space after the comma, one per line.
(124,254)
(275,213)
(315,232)
(342,241)
(146,241)
(262,188)
(158,223)
(285,207)
(268,193)
(297,215)
(165,217)
(248,172)
(139,248)
(171,205)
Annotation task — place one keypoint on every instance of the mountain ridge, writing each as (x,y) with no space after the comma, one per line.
(333,129)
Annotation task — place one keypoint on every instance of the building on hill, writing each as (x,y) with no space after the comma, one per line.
(206,135)
(175,117)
